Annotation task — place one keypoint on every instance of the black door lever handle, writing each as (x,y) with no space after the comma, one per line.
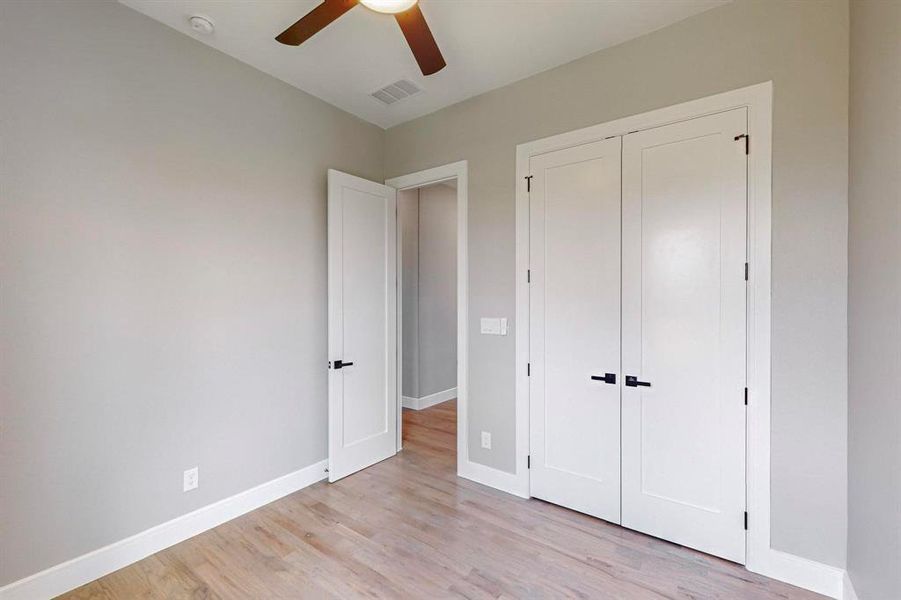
(340,364)
(607,378)
(632,381)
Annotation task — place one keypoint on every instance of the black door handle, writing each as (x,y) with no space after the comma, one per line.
(607,378)
(340,364)
(632,381)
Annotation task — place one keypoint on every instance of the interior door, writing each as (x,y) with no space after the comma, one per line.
(362,323)
(684,332)
(574,340)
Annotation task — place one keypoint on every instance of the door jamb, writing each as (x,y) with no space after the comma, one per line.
(758,99)
(458,170)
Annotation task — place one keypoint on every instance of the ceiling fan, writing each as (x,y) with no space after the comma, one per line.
(406,12)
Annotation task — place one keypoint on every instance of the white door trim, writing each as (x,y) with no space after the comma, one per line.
(758,100)
(459,171)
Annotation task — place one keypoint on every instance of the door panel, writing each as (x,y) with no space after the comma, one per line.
(575,328)
(684,332)
(362,323)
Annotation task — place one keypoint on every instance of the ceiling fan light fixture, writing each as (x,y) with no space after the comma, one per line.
(389,6)
(406,12)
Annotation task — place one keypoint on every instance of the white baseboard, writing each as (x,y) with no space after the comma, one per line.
(501,480)
(802,572)
(848,592)
(430,400)
(93,565)
(798,571)
(818,577)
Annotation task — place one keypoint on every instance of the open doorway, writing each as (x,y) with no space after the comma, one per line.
(427,219)
(431,297)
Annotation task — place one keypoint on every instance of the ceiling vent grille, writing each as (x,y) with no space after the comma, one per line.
(398,90)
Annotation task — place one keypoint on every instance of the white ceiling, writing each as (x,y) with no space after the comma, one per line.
(487,43)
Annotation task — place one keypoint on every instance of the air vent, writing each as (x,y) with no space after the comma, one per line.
(396,91)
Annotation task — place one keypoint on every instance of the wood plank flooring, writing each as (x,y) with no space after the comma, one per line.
(409,528)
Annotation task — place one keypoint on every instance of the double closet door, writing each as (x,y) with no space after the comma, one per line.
(637,325)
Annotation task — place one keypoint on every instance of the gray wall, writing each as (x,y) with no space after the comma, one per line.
(408,215)
(874,401)
(803,48)
(429,229)
(437,289)
(162,234)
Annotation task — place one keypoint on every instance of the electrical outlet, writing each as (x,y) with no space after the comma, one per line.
(191,480)
(486,440)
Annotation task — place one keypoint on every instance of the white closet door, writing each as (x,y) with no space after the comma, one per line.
(684,332)
(575,328)
(362,323)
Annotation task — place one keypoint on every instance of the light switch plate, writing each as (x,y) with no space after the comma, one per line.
(493,326)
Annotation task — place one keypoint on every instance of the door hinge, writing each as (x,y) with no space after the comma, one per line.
(529,461)
(528,183)
(747,139)
(528,369)
(746,520)
(746,396)
(528,275)
(747,271)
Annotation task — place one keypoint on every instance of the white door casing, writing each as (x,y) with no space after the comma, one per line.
(684,332)
(362,323)
(575,328)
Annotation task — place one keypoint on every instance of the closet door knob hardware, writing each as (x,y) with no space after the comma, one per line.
(340,364)
(632,381)
(607,378)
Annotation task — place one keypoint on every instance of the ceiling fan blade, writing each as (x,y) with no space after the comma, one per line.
(315,20)
(419,37)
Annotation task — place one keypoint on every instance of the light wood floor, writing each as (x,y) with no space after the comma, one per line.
(409,528)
